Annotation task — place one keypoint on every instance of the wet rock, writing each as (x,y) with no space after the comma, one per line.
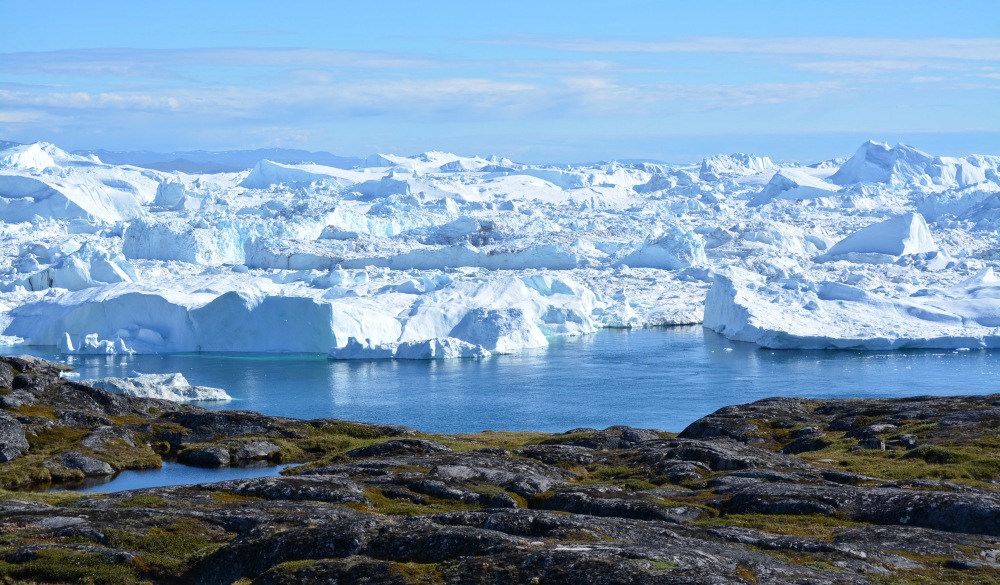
(205,457)
(87,465)
(13,442)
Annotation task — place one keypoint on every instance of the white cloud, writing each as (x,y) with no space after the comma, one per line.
(21,117)
(981,49)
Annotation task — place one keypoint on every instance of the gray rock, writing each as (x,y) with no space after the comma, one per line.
(6,375)
(556,454)
(317,488)
(399,447)
(873,443)
(255,450)
(969,512)
(615,504)
(207,457)
(13,442)
(88,465)
(617,437)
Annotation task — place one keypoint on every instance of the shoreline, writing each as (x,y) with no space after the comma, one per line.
(778,490)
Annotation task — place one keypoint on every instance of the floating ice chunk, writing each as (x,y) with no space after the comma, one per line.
(428,349)
(173,387)
(897,236)
(743,307)
(438,349)
(676,250)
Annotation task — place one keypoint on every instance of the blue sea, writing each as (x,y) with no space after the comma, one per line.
(661,378)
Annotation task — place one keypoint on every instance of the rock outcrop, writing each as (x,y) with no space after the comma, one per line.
(778,491)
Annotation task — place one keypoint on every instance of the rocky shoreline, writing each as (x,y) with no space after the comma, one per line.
(777,491)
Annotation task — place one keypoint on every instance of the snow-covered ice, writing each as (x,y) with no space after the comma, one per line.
(440,256)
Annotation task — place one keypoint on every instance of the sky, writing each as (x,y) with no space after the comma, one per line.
(537,81)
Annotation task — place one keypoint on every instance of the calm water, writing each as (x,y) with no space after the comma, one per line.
(169,474)
(658,378)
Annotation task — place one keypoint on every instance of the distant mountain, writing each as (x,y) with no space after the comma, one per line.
(202,161)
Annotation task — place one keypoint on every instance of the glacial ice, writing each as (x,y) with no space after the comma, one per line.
(173,387)
(440,256)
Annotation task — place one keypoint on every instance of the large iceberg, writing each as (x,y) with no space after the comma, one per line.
(832,315)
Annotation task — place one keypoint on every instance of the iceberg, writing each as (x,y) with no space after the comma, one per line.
(172,387)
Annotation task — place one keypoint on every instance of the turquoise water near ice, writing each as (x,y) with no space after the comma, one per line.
(661,378)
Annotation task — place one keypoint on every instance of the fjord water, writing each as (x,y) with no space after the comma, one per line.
(657,378)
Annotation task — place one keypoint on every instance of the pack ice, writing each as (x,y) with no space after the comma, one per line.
(439,256)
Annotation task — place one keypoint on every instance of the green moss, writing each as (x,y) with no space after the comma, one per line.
(168,551)
(55,439)
(656,566)
(418,573)
(509,440)
(817,526)
(142,501)
(51,498)
(350,429)
(67,566)
(227,496)
(382,504)
(936,455)
(37,410)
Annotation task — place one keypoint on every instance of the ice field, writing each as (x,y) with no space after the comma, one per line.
(445,256)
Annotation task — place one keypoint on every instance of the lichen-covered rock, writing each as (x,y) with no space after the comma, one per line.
(13,443)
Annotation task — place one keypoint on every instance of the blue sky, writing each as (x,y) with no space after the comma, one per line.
(535,81)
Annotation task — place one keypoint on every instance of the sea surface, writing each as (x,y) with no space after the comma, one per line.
(661,378)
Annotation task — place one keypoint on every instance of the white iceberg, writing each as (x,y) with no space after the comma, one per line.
(173,387)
